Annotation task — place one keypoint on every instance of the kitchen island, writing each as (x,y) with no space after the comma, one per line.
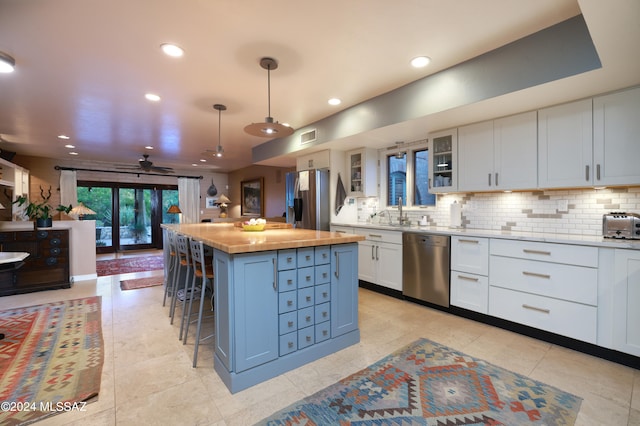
(283,298)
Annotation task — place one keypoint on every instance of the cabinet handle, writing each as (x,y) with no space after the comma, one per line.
(598,172)
(324,275)
(289,302)
(308,278)
(429,183)
(469,241)
(289,259)
(377,253)
(373,257)
(341,232)
(489,179)
(535,274)
(324,255)
(290,344)
(375,235)
(533,308)
(307,257)
(586,173)
(324,314)
(308,338)
(290,323)
(463,277)
(337,273)
(275,274)
(308,318)
(529,251)
(497,179)
(308,298)
(324,332)
(325,294)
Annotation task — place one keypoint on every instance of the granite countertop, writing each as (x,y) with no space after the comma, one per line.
(231,239)
(587,240)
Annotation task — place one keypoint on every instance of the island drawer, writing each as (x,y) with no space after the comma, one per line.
(287,301)
(288,343)
(306,337)
(306,277)
(323,312)
(323,331)
(323,293)
(323,255)
(287,259)
(306,257)
(306,317)
(306,297)
(287,280)
(288,322)
(323,274)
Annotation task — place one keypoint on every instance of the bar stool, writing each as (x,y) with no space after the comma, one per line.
(202,270)
(169,289)
(182,276)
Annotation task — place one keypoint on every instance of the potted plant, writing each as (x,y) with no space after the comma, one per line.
(42,212)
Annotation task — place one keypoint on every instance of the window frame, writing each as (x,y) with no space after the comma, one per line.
(383,155)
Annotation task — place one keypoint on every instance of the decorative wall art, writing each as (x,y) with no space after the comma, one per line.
(252,197)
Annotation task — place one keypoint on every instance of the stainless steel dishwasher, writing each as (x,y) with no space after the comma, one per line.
(425,267)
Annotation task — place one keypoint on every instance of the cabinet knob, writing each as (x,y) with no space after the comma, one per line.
(324,314)
(325,332)
(290,344)
(308,298)
(307,257)
(308,318)
(324,275)
(290,324)
(289,282)
(308,278)
(289,302)
(308,338)
(325,294)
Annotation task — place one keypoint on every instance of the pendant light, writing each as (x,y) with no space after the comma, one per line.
(269,128)
(219,108)
(7,63)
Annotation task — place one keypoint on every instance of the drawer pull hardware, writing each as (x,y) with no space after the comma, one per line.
(463,277)
(529,251)
(324,314)
(325,294)
(586,173)
(289,281)
(289,302)
(324,255)
(308,278)
(324,332)
(308,318)
(469,241)
(307,257)
(290,344)
(308,338)
(375,235)
(324,275)
(289,259)
(290,324)
(535,274)
(377,254)
(308,298)
(533,308)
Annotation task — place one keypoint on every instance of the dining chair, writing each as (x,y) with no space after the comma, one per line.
(202,259)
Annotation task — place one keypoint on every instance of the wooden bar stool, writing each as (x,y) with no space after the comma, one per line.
(169,289)
(182,277)
(202,260)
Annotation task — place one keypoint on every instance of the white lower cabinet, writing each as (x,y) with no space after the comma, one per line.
(552,287)
(469,270)
(380,257)
(626,300)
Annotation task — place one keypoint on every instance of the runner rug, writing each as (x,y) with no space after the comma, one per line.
(430,384)
(141,283)
(129,264)
(50,359)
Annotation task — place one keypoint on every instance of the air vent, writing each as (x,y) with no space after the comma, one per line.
(307,137)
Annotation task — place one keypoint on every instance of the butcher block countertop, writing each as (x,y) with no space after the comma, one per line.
(232,239)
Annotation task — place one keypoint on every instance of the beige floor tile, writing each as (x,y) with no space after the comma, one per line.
(147,374)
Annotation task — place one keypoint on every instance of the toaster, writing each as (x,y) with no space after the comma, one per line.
(621,225)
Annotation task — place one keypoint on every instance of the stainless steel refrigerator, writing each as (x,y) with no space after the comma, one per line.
(308,199)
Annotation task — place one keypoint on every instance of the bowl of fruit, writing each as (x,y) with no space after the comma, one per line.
(254,225)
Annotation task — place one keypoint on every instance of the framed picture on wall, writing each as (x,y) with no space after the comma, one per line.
(252,197)
(210,202)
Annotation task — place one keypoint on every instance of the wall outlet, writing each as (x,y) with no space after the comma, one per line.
(563,205)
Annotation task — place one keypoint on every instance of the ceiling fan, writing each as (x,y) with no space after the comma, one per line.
(147,166)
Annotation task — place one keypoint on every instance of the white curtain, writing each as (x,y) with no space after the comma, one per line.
(68,188)
(189,199)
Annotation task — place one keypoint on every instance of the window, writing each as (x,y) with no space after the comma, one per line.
(397,181)
(421,195)
(407,176)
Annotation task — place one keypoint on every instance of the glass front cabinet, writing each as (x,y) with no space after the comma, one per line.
(443,160)
(362,164)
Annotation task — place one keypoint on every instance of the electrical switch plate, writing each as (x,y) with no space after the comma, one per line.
(563,205)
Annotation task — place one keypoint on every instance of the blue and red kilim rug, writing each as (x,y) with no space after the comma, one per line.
(427,383)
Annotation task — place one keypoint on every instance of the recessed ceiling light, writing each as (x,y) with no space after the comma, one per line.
(420,61)
(73,153)
(194,164)
(334,101)
(69,146)
(148,147)
(65,137)
(172,50)
(202,160)
(152,97)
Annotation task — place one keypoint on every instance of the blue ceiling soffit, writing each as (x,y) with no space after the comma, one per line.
(560,51)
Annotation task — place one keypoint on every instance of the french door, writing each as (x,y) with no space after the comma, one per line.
(128,216)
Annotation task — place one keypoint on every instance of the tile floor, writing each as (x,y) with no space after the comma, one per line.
(148,378)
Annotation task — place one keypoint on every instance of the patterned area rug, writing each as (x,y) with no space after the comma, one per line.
(50,359)
(141,283)
(129,264)
(427,383)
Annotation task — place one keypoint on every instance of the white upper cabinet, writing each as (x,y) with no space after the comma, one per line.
(565,139)
(363,172)
(616,138)
(443,161)
(498,154)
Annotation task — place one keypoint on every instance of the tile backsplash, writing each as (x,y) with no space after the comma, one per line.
(575,211)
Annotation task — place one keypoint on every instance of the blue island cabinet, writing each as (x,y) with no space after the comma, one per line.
(280,309)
